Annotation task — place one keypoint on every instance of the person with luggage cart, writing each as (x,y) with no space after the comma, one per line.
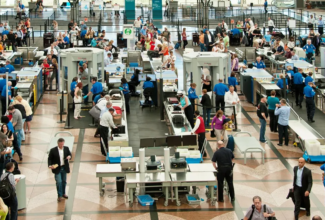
(199,129)
(222,161)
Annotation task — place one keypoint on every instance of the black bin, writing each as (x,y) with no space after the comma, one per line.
(120,184)
(48,39)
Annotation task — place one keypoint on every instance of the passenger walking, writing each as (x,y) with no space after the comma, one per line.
(217,126)
(77,99)
(259,211)
(58,162)
(184,38)
(283,113)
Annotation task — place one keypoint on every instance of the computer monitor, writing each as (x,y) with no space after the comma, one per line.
(160,142)
(142,77)
(289,64)
(130,70)
(189,140)
(174,141)
(152,76)
(139,68)
(147,142)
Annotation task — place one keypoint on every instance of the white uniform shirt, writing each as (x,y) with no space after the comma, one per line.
(270,23)
(107,120)
(61,155)
(229,99)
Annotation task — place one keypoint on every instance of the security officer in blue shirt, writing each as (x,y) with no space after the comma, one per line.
(232,81)
(2,68)
(73,86)
(9,66)
(280,82)
(260,64)
(309,78)
(126,93)
(310,104)
(3,82)
(298,85)
(192,95)
(3,97)
(148,83)
(96,89)
(220,89)
(309,49)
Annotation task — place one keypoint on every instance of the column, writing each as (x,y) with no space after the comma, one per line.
(130,9)
(157,9)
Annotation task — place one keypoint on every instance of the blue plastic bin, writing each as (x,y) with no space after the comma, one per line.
(134,64)
(194,160)
(145,200)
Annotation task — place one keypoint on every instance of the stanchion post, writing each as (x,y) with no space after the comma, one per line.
(235,119)
(68,126)
(61,111)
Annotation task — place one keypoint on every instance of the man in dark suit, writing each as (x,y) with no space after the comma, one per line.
(302,183)
(208,40)
(218,29)
(58,161)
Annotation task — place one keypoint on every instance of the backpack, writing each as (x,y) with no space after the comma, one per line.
(7,191)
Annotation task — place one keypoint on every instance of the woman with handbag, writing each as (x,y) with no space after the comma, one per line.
(77,99)
(217,127)
(12,140)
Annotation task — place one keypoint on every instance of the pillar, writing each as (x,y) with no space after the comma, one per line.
(130,9)
(157,9)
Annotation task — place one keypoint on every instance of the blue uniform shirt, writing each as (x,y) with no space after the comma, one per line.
(280,49)
(143,32)
(309,48)
(10,68)
(297,78)
(280,83)
(260,65)
(126,87)
(3,92)
(147,84)
(5,32)
(97,88)
(192,94)
(267,37)
(309,92)
(66,40)
(290,73)
(308,79)
(220,89)
(97,97)
(265,4)
(232,81)
(3,82)
(73,85)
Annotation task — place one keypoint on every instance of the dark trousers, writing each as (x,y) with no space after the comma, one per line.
(127,99)
(192,104)
(4,104)
(299,197)
(265,9)
(271,29)
(103,131)
(201,138)
(189,115)
(206,116)
(283,130)
(225,173)
(310,105)
(299,93)
(220,100)
(72,95)
(273,121)
(317,50)
(209,47)
(2,163)
(321,30)
(16,145)
(290,32)
(250,40)
(184,43)
(85,92)
(13,205)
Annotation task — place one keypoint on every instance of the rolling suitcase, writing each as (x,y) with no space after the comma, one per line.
(48,39)
(231,143)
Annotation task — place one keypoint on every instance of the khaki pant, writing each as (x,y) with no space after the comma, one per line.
(221,133)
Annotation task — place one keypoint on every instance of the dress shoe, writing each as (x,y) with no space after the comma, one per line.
(312,121)
(59,199)
(307,213)
(279,144)
(233,199)
(65,196)
(20,158)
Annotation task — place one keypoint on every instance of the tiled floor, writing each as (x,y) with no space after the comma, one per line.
(271,180)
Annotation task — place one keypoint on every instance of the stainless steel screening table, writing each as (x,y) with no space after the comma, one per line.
(134,179)
(110,170)
(194,179)
(248,145)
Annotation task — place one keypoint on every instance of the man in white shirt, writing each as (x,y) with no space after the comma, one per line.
(157,42)
(108,60)
(106,121)
(250,34)
(225,26)
(137,25)
(106,51)
(270,23)
(101,104)
(251,23)
(231,99)
(311,21)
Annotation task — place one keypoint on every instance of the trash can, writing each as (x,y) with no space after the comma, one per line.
(48,39)
(21,191)
(120,184)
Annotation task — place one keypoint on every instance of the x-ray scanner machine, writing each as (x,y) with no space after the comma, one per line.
(218,64)
(69,60)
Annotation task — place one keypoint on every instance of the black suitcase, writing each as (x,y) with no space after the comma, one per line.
(48,39)
(94,14)
(178,121)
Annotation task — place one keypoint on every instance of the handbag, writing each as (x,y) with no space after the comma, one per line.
(95,112)
(269,218)
(212,134)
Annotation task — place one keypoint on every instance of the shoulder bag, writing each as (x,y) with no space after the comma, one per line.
(268,218)
(251,216)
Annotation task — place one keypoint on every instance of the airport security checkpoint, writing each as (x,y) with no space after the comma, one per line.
(162,110)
